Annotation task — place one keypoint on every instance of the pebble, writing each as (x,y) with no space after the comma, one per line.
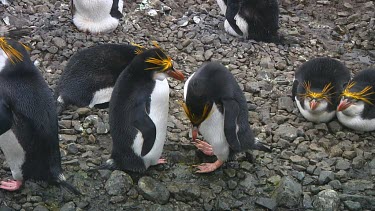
(326,200)
(153,190)
(288,193)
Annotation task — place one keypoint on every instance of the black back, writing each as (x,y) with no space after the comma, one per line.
(232,9)
(33,116)
(92,69)
(319,72)
(362,79)
(213,83)
(262,17)
(115,10)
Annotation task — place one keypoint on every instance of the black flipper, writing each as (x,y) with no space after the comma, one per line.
(5,117)
(72,8)
(147,127)
(69,187)
(294,89)
(261,147)
(231,111)
(232,9)
(115,10)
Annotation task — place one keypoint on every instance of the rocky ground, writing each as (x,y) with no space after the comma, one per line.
(312,166)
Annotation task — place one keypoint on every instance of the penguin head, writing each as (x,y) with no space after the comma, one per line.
(354,98)
(316,100)
(156,64)
(14,51)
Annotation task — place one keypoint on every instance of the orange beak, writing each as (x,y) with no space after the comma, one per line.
(176,74)
(344,104)
(195,133)
(313,104)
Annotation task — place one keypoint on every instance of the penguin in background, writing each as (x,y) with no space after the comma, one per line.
(28,122)
(91,73)
(96,16)
(317,86)
(357,105)
(251,19)
(217,108)
(138,111)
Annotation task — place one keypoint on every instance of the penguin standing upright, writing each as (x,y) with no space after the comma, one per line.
(252,19)
(96,16)
(138,111)
(91,73)
(357,105)
(317,86)
(216,107)
(28,120)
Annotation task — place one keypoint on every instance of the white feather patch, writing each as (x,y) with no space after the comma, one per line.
(228,28)
(101,96)
(223,6)
(242,24)
(356,122)
(186,85)
(14,153)
(3,59)
(316,117)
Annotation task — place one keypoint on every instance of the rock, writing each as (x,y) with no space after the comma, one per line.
(326,200)
(268,203)
(325,177)
(334,126)
(70,206)
(352,205)
(307,201)
(38,208)
(299,160)
(349,154)
(72,148)
(59,42)
(286,103)
(153,190)
(5,208)
(342,164)
(287,132)
(102,128)
(354,185)
(358,162)
(367,202)
(184,191)
(83,111)
(119,183)
(288,193)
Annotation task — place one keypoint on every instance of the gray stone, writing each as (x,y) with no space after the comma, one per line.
(342,164)
(268,203)
(59,42)
(352,205)
(287,132)
(299,160)
(52,49)
(286,103)
(288,193)
(184,191)
(349,154)
(119,183)
(307,201)
(367,202)
(39,208)
(354,185)
(153,190)
(326,200)
(334,126)
(72,148)
(102,128)
(70,206)
(325,177)
(358,162)
(83,111)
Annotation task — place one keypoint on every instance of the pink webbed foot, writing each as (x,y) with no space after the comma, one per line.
(204,147)
(11,185)
(209,167)
(162,161)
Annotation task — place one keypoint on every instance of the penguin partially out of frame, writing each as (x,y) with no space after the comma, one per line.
(217,108)
(357,105)
(28,120)
(317,87)
(91,73)
(251,19)
(96,16)
(138,111)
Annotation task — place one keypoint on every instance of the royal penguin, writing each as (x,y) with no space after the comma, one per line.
(217,108)
(28,120)
(138,111)
(317,86)
(91,73)
(96,16)
(251,19)
(357,105)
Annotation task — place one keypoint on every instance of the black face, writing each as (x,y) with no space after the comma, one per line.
(197,110)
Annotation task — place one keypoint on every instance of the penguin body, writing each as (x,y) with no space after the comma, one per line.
(28,128)
(317,86)
(217,108)
(251,19)
(96,16)
(91,73)
(357,105)
(139,111)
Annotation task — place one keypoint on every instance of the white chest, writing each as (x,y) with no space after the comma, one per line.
(212,130)
(222,6)
(356,122)
(3,59)
(101,96)
(316,117)
(14,153)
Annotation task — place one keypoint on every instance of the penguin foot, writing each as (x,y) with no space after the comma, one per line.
(209,167)
(11,185)
(205,147)
(162,161)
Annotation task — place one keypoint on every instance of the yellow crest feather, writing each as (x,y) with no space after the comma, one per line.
(196,120)
(13,55)
(324,94)
(362,95)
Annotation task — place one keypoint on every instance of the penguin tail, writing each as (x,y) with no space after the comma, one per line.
(261,147)
(63,183)
(109,165)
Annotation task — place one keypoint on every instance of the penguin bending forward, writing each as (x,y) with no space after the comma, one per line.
(28,121)
(96,16)
(357,105)
(216,107)
(251,19)
(317,86)
(138,111)
(91,73)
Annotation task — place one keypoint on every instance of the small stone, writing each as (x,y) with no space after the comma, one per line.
(358,162)
(325,177)
(274,180)
(83,111)
(349,154)
(72,148)
(208,54)
(38,208)
(326,200)
(335,184)
(288,193)
(268,203)
(102,128)
(286,103)
(118,183)
(299,160)
(230,172)
(307,201)
(52,49)
(153,190)
(246,165)
(70,206)
(342,164)
(334,126)
(59,42)
(287,132)
(352,205)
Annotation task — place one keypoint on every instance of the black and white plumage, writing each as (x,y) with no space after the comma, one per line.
(252,19)
(357,105)
(28,120)
(138,111)
(96,16)
(216,106)
(90,75)
(317,86)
